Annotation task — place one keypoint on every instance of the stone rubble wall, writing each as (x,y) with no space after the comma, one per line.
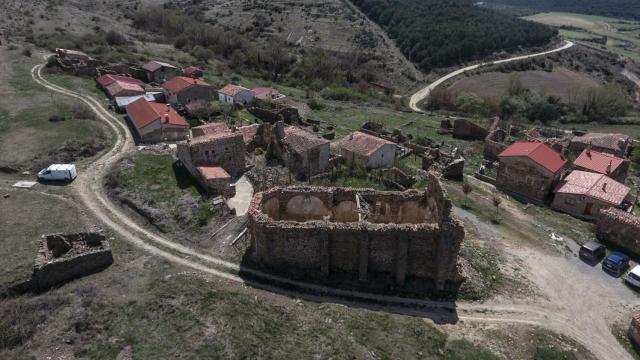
(620,228)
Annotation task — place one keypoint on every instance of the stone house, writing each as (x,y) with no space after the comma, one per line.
(602,163)
(634,331)
(614,144)
(583,194)
(529,171)
(213,159)
(155,122)
(369,150)
(183,90)
(193,72)
(120,88)
(620,228)
(235,94)
(305,154)
(159,72)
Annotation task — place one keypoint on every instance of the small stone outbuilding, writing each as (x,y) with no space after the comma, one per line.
(235,94)
(369,150)
(305,154)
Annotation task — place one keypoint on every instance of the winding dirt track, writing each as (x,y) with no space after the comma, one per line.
(424,92)
(89,189)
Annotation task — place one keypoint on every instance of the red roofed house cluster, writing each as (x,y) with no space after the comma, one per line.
(369,150)
(529,171)
(155,122)
(602,163)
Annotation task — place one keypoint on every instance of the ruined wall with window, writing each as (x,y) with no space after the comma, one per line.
(402,238)
(226,149)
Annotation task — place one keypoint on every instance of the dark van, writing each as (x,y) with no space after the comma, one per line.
(592,251)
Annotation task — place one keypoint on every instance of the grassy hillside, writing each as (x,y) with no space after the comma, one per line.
(629,9)
(435,33)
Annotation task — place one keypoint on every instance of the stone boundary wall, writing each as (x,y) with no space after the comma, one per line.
(398,251)
(620,228)
(634,331)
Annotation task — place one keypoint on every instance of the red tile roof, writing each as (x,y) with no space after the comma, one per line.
(614,142)
(248,132)
(597,161)
(215,136)
(301,140)
(179,83)
(233,90)
(261,90)
(211,128)
(155,65)
(142,113)
(540,153)
(108,79)
(121,88)
(597,186)
(363,144)
(213,172)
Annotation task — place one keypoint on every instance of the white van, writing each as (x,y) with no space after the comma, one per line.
(58,172)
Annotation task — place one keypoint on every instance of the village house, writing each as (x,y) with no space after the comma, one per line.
(213,159)
(155,122)
(108,79)
(234,94)
(583,194)
(120,88)
(121,102)
(193,72)
(159,72)
(183,90)
(306,154)
(614,144)
(529,171)
(265,93)
(369,150)
(602,163)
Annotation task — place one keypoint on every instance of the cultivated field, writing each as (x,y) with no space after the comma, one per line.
(622,36)
(571,86)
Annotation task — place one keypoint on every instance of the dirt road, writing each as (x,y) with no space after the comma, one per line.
(581,323)
(424,92)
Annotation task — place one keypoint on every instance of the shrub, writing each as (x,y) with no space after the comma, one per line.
(342,94)
(27,51)
(56,118)
(440,99)
(469,103)
(113,37)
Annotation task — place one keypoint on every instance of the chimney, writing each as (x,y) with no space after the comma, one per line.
(589,149)
(604,187)
(166,118)
(168,108)
(609,167)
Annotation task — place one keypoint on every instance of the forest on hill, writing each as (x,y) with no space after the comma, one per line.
(627,9)
(436,33)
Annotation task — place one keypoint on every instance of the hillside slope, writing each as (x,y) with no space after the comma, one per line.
(434,33)
(628,9)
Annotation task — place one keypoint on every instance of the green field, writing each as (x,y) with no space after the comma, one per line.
(597,26)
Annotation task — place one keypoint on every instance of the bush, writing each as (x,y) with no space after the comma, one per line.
(315,104)
(56,118)
(604,103)
(469,103)
(635,155)
(440,99)
(544,112)
(115,38)
(27,51)
(342,94)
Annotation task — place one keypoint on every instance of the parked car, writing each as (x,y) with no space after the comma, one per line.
(58,172)
(633,277)
(592,251)
(616,263)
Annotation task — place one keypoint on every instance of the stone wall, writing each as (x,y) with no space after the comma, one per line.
(620,228)
(525,180)
(466,129)
(494,144)
(403,236)
(65,257)
(634,331)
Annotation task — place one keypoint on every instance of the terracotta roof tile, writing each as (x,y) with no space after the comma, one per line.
(213,136)
(155,65)
(179,83)
(213,172)
(300,140)
(614,142)
(597,186)
(233,90)
(190,70)
(117,87)
(142,113)
(108,79)
(540,153)
(597,161)
(363,144)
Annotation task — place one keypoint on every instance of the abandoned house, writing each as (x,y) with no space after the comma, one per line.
(265,93)
(369,150)
(183,90)
(159,72)
(305,154)
(583,194)
(614,144)
(213,159)
(235,94)
(193,72)
(602,163)
(380,238)
(208,129)
(121,89)
(155,122)
(529,171)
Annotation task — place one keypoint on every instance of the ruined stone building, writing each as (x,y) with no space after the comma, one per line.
(305,154)
(583,194)
(634,331)
(377,237)
(620,228)
(602,163)
(529,171)
(155,122)
(614,144)
(371,151)
(214,159)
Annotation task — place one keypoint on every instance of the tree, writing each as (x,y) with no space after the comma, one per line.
(469,103)
(466,189)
